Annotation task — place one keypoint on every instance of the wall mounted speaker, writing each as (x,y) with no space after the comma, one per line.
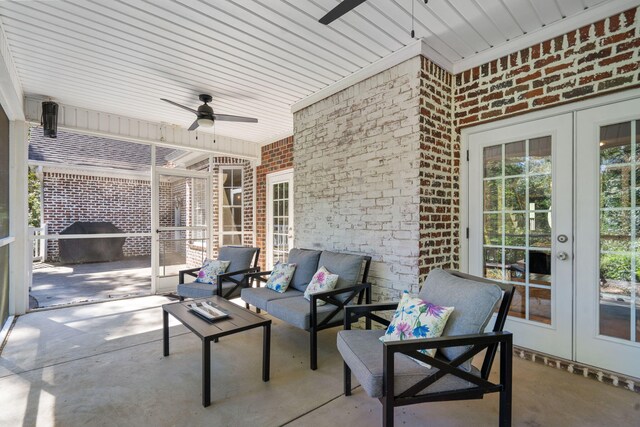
(50,119)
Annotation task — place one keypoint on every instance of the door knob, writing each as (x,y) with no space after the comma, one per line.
(562,256)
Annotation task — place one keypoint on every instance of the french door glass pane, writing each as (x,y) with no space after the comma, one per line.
(280,230)
(619,225)
(517,225)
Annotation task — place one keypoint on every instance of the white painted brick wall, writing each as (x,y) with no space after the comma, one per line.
(356,163)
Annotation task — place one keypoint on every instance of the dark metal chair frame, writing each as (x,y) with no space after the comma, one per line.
(244,282)
(361,291)
(478,342)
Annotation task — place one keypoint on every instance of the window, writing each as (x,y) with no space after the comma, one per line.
(231,206)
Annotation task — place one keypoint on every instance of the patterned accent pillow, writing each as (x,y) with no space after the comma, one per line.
(281,276)
(210,270)
(322,281)
(415,319)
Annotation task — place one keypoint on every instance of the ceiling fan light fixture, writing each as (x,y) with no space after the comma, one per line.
(205,122)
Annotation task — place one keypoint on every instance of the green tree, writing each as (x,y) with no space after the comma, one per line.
(34,198)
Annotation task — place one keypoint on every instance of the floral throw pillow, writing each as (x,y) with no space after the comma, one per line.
(210,270)
(322,281)
(281,276)
(414,319)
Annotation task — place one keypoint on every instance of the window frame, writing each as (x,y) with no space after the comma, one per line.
(221,206)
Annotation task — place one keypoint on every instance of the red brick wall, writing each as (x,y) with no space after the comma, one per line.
(439,154)
(592,60)
(69,198)
(275,157)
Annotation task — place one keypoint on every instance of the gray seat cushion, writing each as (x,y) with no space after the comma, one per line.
(363,352)
(306,261)
(203,290)
(240,258)
(259,297)
(296,311)
(474,304)
(347,266)
(196,290)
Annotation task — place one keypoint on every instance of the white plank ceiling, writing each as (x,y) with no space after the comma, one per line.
(255,57)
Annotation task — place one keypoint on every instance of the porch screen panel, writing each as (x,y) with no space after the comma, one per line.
(516,208)
(619,230)
(4,174)
(183,239)
(4,216)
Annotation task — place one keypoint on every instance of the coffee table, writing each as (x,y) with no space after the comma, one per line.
(240,319)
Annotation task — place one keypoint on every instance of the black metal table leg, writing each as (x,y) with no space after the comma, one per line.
(266,351)
(206,372)
(165,332)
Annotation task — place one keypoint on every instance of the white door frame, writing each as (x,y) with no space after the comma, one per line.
(534,115)
(554,338)
(274,178)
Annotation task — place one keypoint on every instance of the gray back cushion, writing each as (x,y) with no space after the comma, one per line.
(346,266)
(239,257)
(474,304)
(306,261)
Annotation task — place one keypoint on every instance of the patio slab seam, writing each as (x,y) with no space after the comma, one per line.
(317,407)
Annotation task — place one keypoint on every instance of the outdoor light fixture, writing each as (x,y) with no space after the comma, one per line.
(205,122)
(49,120)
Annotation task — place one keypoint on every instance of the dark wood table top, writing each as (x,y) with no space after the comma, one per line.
(240,319)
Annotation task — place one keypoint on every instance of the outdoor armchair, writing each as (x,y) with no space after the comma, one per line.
(386,370)
(243,261)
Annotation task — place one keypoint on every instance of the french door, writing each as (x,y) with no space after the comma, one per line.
(607,231)
(279,216)
(520,225)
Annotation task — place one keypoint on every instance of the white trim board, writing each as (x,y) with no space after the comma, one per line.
(95,171)
(106,125)
(6,240)
(11,95)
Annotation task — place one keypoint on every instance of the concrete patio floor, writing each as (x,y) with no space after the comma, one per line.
(56,284)
(102,364)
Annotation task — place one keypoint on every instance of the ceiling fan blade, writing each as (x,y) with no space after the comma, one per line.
(194,125)
(181,106)
(229,118)
(340,10)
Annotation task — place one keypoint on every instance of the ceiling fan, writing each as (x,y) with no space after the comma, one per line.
(344,7)
(206,116)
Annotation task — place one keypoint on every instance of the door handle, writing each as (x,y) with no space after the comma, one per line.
(562,256)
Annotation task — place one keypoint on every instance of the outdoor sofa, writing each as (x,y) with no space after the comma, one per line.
(292,307)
